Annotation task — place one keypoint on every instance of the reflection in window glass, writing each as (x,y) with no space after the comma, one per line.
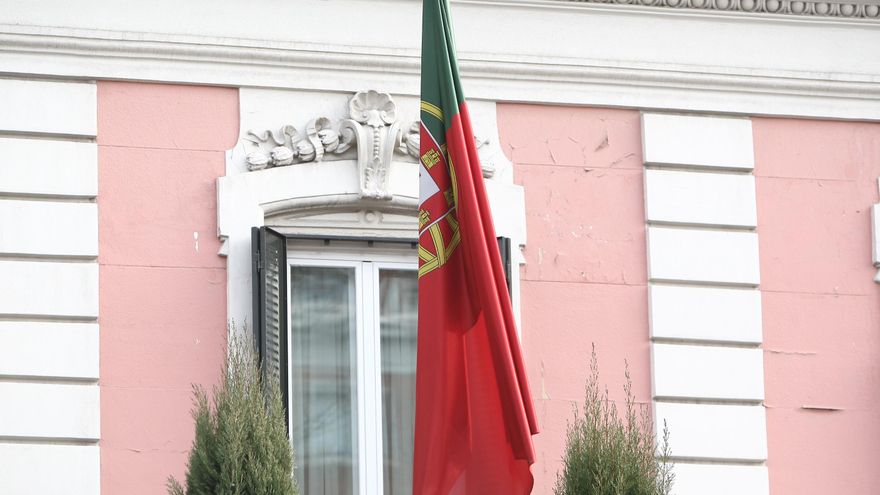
(398,301)
(324,395)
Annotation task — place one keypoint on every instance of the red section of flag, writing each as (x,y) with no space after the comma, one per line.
(474,412)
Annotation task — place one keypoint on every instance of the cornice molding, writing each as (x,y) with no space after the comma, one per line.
(721,72)
(293,57)
(848,9)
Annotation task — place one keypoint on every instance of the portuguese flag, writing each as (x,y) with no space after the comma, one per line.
(474,414)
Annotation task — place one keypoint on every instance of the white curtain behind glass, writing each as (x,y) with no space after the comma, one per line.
(398,322)
(323,399)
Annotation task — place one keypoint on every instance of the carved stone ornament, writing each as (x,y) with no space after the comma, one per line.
(864,9)
(372,132)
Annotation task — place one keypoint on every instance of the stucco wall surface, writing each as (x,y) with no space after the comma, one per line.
(815,184)
(584,280)
(162,284)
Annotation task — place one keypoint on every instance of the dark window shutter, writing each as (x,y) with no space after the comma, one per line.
(270,303)
(504,249)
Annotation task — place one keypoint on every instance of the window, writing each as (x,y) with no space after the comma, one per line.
(336,322)
(351,309)
(352,372)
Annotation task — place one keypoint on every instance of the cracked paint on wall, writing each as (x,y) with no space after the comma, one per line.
(815,184)
(584,280)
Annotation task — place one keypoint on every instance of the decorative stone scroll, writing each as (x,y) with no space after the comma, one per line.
(372,134)
(865,9)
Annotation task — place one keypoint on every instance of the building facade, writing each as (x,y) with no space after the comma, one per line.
(688,186)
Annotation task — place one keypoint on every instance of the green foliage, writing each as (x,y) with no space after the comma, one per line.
(241,445)
(607,454)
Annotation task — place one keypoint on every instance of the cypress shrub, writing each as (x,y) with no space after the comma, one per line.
(241,445)
(607,454)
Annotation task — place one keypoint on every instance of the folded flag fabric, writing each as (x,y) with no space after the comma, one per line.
(474,413)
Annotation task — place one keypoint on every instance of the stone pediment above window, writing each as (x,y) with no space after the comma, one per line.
(371,133)
(342,165)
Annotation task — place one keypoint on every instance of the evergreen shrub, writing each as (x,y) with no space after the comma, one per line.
(241,445)
(607,454)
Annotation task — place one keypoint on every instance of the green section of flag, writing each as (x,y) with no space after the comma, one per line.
(441,90)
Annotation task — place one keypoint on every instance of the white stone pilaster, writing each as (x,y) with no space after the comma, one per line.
(705,304)
(49,395)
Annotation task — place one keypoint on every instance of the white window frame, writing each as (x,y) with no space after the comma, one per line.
(367,262)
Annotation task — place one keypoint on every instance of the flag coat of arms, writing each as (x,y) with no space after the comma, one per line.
(474,413)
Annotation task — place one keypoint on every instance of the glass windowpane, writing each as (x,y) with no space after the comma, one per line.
(323,401)
(398,311)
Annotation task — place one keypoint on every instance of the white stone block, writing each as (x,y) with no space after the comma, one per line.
(709,431)
(49,288)
(40,410)
(47,167)
(720,479)
(48,107)
(709,256)
(700,198)
(49,349)
(707,372)
(48,228)
(688,140)
(705,314)
(875,222)
(49,469)
(508,205)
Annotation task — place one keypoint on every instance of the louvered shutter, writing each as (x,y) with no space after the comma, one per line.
(504,249)
(270,303)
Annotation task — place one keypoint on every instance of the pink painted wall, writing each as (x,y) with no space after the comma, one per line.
(585,278)
(162,290)
(816,182)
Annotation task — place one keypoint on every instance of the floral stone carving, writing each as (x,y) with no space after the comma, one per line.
(372,132)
